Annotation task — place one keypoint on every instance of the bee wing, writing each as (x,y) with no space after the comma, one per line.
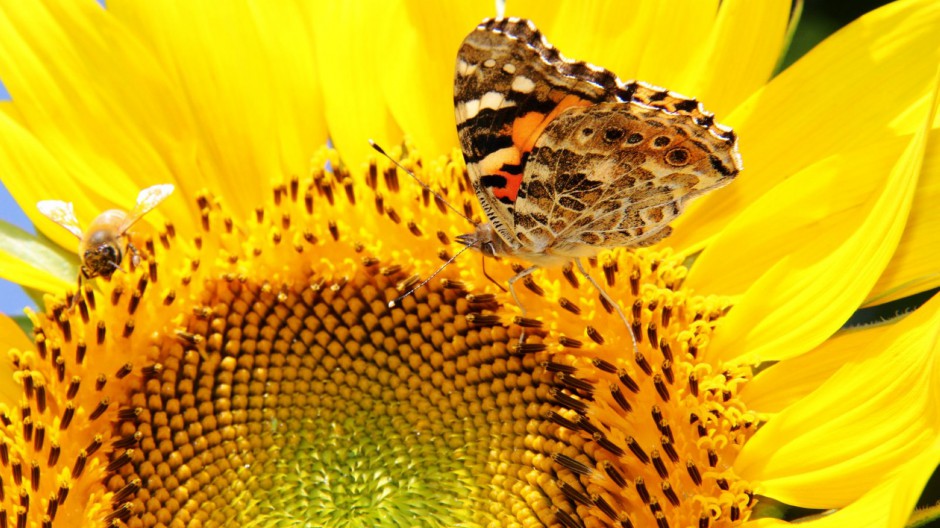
(62,213)
(147,200)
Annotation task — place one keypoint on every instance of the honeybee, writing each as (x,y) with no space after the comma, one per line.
(103,245)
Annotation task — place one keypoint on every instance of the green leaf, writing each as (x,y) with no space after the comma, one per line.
(38,251)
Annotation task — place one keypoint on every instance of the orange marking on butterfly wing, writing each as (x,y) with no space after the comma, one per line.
(492,166)
(527,128)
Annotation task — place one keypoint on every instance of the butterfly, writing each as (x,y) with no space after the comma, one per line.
(567,160)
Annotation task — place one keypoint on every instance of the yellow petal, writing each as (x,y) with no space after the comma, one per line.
(62,142)
(808,294)
(787,382)
(416,67)
(859,427)
(913,268)
(12,336)
(832,100)
(632,41)
(740,54)
(253,108)
(348,54)
(888,505)
(813,211)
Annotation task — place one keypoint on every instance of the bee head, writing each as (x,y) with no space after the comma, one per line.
(102,260)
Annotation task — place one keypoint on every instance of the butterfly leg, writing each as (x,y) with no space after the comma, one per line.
(607,298)
(515,297)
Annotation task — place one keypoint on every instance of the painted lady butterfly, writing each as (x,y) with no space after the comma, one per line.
(567,159)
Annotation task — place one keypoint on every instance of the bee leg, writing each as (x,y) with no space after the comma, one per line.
(135,255)
(636,349)
(82,274)
(512,289)
(73,299)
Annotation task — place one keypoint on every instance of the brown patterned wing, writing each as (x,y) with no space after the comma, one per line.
(510,85)
(615,175)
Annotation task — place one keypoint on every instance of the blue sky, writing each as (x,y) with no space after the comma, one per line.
(12,298)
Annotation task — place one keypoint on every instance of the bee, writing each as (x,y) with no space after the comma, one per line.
(103,245)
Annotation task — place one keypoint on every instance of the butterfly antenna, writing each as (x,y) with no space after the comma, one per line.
(425,186)
(396,300)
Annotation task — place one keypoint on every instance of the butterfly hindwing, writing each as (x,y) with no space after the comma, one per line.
(614,175)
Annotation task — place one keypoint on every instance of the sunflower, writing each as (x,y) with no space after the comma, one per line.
(249,372)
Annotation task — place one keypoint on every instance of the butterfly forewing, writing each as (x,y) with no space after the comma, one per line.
(506,91)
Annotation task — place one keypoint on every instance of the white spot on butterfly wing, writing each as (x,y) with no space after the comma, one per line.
(490,100)
(465,69)
(522,84)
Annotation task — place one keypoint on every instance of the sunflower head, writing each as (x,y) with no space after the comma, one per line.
(253,372)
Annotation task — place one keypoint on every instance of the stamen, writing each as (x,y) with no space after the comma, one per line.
(100,409)
(120,461)
(67,415)
(619,398)
(80,350)
(530,284)
(628,382)
(54,451)
(527,322)
(569,306)
(125,369)
(644,365)
(95,444)
(608,445)
(669,449)
(637,450)
(658,464)
(641,490)
(604,365)
(573,493)
(571,464)
(694,473)
(39,436)
(712,458)
(568,271)
(128,491)
(595,335)
(33,477)
(661,388)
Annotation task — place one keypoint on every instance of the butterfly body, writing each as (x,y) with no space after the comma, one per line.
(568,160)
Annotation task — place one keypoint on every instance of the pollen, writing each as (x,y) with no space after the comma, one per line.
(252,373)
